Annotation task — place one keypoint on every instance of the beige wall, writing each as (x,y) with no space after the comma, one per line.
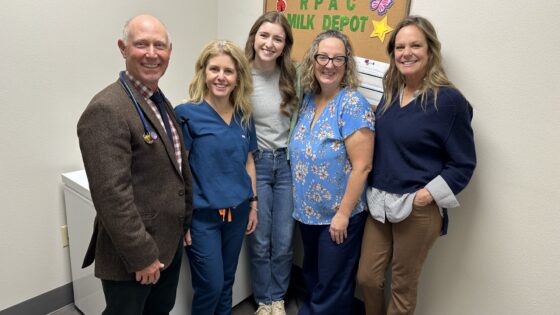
(55,56)
(503,251)
(501,256)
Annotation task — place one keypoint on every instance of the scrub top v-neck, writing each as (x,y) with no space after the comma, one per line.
(217,155)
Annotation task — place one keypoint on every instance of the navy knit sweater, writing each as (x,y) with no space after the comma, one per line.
(414,145)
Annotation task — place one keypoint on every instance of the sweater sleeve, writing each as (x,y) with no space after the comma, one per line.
(442,194)
(459,145)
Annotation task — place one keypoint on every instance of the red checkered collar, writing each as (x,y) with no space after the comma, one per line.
(141,88)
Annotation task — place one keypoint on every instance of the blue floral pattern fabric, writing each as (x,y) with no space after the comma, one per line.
(320,164)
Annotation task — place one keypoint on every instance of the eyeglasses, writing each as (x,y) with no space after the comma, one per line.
(337,61)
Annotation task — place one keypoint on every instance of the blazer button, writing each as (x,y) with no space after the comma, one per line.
(181,192)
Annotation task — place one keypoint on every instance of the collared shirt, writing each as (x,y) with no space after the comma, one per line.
(434,151)
(397,207)
(146,93)
(320,164)
(393,207)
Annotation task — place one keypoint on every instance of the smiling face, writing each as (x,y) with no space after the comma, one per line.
(270,41)
(147,50)
(221,76)
(411,53)
(329,76)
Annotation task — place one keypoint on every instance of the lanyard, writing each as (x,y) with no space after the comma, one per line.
(149,135)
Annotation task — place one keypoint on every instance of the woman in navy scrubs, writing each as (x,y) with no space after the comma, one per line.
(220,137)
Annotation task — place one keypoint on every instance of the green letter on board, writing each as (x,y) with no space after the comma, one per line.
(363,19)
(292,19)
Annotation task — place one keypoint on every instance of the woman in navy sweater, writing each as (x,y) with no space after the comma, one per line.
(424,156)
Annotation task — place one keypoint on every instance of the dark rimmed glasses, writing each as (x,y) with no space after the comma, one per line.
(337,61)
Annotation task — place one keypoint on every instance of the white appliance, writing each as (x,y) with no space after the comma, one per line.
(88,294)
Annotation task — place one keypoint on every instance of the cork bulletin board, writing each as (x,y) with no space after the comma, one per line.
(368,23)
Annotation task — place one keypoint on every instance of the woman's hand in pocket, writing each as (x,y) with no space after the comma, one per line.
(423,198)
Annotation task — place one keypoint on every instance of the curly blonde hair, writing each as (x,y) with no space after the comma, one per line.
(308,80)
(240,97)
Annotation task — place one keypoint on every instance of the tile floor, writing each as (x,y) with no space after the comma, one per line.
(246,307)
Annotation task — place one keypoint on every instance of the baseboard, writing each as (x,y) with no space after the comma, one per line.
(45,303)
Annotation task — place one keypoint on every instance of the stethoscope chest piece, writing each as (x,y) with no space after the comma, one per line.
(149,135)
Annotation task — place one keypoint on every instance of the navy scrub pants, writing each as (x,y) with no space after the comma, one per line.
(213,256)
(329,270)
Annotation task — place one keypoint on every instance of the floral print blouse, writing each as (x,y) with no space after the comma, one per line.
(318,158)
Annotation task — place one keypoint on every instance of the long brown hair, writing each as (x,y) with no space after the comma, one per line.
(284,62)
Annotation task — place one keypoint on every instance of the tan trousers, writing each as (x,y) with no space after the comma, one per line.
(406,244)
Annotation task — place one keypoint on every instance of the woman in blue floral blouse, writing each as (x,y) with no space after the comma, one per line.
(330,153)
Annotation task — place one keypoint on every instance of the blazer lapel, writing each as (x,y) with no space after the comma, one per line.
(154,122)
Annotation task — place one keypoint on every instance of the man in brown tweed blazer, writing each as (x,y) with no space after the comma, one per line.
(139,178)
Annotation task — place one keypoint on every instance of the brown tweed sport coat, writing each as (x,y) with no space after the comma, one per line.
(142,199)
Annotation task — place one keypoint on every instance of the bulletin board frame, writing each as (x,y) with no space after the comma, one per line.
(368,23)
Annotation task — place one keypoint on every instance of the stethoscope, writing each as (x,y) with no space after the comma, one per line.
(149,135)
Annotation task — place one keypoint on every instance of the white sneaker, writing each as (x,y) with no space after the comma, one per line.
(264,309)
(278,308)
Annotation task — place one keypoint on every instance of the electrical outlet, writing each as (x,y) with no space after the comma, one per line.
(64,235)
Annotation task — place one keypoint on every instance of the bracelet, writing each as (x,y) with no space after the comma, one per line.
(256,210)
(254,198)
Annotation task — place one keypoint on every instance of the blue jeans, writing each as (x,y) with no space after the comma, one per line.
(270,246)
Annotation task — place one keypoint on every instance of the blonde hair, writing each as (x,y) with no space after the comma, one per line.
(284,62)
(240,96)
(435,74)
(308,80)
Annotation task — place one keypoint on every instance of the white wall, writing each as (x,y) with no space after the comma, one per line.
(235,19)
(55,56)
(501,256)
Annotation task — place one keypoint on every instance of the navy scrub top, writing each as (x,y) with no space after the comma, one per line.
(217,155)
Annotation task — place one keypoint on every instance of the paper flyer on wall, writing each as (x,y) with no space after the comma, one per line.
(371,74)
